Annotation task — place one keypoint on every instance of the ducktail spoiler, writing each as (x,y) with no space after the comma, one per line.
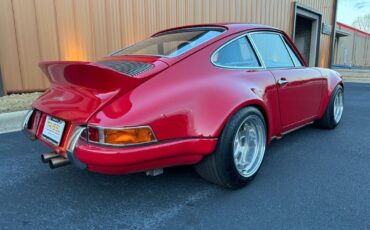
(88,75)
(79,89)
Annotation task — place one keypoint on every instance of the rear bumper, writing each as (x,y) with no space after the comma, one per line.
(111,160)
(121,160)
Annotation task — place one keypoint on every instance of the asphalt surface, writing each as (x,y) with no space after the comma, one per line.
(310,179)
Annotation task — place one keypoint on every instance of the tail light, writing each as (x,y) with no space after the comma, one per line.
(32,120)
(35,120)
(120,136)
(31,123)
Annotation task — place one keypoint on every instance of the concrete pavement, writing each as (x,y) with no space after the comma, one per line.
(11,122)
(310,179)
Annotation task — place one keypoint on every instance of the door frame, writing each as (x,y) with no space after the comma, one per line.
(316,16)
(2,93)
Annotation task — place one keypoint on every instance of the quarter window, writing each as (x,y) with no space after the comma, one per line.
(272,50)
(236,54)
(295,59)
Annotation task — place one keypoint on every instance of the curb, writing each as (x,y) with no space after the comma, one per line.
(356,80)
(11,122)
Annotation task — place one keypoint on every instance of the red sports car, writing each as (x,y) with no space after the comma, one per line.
(209,95)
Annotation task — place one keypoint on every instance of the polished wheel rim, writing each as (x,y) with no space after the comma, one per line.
(249,146)
(338,106)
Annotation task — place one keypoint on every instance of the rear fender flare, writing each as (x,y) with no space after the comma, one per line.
(260,105)
(332,80)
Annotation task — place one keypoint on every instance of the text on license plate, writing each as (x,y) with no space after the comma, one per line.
(53,130)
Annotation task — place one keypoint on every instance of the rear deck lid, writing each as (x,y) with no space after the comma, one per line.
(79,89)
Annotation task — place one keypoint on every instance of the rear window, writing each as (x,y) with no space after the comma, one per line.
(171,43)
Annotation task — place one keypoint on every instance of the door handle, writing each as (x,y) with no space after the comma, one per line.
(282,81)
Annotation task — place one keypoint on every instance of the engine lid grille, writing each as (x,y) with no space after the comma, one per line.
(130,68)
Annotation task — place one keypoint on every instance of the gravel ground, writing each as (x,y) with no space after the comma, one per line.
(17,102)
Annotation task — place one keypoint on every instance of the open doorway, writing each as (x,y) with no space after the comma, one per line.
(306,33)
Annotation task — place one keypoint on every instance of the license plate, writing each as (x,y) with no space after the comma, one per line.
(53,130)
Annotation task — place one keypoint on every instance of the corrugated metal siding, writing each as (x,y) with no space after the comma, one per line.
(367,57)
(36,30)
(359,50)
(342,51)
(353,50)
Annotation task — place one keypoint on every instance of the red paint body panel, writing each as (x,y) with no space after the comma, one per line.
(176,105)
(300,98)
(186,100)
(331,80)
(77,89)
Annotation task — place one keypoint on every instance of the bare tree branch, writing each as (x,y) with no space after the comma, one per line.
(362,23)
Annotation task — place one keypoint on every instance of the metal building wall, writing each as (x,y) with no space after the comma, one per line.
(344,49)
(367,57)
(36,30)
(354,49)
(360,50)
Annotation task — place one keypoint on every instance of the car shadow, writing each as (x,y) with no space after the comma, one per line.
(85,199)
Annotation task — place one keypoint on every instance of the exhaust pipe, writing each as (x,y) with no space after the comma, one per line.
(46,157)
(58,162)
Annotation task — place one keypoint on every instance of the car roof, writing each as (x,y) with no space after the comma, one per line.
(229,27)
(230,30)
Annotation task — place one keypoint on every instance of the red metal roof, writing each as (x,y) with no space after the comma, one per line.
(353,29)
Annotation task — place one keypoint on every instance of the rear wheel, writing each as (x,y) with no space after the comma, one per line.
(239,152)
(334,110)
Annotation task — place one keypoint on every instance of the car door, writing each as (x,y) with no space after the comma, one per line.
(299,87)
(238,61)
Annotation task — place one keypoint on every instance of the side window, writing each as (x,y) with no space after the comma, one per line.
(272,50)
(293,55)
(238,53)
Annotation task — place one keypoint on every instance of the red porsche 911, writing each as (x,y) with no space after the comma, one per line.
(209,95)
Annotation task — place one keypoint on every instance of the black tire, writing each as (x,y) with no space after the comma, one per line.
(219,167)
(328,120)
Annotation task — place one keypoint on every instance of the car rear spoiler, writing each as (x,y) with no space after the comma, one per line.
(87,75)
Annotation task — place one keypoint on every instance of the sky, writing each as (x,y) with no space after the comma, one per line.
(349,10)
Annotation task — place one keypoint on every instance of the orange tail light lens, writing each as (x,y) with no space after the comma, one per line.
(128,136)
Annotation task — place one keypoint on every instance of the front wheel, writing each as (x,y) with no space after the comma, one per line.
(240,150)
(334,110)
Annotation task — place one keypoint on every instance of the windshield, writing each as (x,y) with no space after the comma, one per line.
(172,43)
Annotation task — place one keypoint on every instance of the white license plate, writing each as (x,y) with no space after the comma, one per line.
(53,130)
